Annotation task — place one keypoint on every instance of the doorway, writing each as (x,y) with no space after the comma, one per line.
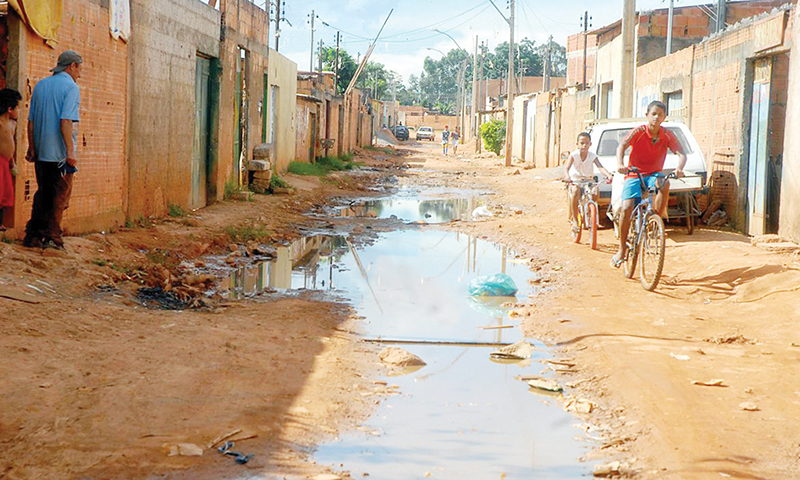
(765,143)
(202,89)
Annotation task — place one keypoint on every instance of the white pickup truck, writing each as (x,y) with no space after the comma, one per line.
(606,137)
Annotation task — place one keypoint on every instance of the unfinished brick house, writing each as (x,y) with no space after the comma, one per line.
(170,110)
(731,89)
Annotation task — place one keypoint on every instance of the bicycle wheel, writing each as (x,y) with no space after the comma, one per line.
(592,224)
(629,266)
(652,250)
(578,227)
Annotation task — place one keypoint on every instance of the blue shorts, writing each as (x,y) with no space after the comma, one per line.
(632,188)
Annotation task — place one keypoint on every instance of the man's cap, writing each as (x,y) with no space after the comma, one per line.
(67,58)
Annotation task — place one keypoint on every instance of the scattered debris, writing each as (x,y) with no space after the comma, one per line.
(239,458)
(482,212)
(579,405)
(730,339)
(517,351)
(326,476)
(717,219)
(680,357)
(398,356)
(714,382)
(497,285)
(611,469)
(223,437)
(156,297)
(185,450)
(546,384)
(749,406)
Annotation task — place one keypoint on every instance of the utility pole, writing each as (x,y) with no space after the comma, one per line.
(669,25)
(277,23)
(628,62)
(319,56)
(480,103)
(547,64)
(336,65)
(311,66)
(722,14)
(585,43)
(474,107)
(510,106)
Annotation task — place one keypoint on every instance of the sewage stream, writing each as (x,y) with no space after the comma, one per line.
(463,415)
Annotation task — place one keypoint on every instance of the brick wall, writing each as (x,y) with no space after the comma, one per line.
(665,75)
(720,111)
(99,188)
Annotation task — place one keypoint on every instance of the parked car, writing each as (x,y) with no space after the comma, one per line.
(425,133)
(400,132)
(606,137)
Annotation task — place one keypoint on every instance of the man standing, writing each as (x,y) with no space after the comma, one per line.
(52,147)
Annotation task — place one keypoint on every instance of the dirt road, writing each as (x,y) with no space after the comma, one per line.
(725,310)
(94,385)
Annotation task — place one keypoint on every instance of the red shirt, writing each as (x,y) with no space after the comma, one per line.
(648,153)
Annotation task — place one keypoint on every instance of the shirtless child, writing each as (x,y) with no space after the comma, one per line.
(9,111)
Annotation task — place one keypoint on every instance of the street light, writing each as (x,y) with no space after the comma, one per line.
(460,79)
(437,50)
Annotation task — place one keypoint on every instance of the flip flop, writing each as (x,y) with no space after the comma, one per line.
(616,261)
(225,447)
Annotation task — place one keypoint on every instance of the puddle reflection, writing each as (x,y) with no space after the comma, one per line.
(463,415)
(307,263)
(414,210)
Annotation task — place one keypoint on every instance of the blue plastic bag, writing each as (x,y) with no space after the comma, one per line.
(497,285)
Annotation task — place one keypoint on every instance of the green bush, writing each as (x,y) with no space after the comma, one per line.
(246,233)
(493,134)
(324,165)
(175,210)
(278,182)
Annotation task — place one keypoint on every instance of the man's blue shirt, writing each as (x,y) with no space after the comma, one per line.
(54,99)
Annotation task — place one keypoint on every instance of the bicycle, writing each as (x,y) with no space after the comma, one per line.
(587,210)
(646,236)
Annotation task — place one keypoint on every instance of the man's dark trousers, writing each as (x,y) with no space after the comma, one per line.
(54,188)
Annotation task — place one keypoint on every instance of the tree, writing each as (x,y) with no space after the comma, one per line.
(347,66)
(439,80)
(558,58)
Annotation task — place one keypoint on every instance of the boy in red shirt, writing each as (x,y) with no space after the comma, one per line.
(649,144)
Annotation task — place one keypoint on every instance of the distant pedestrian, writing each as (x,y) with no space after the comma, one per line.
(445,140)
(454,139)
(52,147)
(9,111)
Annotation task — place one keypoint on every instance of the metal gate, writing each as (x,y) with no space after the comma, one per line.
(759,148)
(201,129)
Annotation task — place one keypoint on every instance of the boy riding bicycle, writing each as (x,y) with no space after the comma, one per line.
(649,144)
(579,166)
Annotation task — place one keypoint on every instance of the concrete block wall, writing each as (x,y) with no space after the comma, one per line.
(244,25)
(790,183)
(99,188)
(168,36)
(282,73)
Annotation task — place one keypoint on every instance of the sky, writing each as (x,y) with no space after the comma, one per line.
(408,35)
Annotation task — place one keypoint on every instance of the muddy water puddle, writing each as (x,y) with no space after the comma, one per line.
(438,206)
(462,415)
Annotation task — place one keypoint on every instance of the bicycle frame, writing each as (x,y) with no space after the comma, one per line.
(587,216)
(642,235)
